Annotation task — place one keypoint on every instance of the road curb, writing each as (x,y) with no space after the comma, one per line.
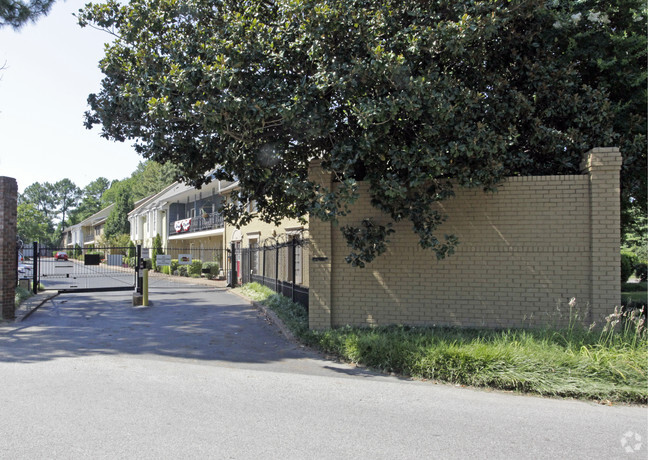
(270,315)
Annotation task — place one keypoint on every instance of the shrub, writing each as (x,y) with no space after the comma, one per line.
(132,249)
(195,267)
(211,269)
(182,270)
(157,250)
(174,266)
(641,271)
(628,261)
(635,287)
(166,269)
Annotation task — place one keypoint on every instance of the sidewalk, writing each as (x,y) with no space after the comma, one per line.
(32,304)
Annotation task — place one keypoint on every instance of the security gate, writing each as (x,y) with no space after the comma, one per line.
(86,269)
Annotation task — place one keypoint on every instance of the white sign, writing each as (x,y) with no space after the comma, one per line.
(63,267)
(185,259)
(163,260)
(145,253)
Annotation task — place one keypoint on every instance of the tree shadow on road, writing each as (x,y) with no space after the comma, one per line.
(203,324)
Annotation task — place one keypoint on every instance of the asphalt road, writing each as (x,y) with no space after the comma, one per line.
(200,374)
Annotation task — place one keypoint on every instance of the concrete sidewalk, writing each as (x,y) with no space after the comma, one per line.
(32,304)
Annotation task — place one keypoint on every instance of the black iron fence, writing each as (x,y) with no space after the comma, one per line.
(81,269)
(282,267)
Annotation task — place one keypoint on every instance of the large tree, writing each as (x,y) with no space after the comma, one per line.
(42,197)
(607,42)
(91,196)
(16,13)
(148,178)
(117,222)
(66,195)
(410,96)
(33,225)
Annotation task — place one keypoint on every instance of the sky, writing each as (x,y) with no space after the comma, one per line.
(51,67)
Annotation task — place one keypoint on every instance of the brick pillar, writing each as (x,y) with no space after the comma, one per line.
(8,259)
(604,167)
(320,265)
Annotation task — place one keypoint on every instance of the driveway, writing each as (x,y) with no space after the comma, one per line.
(201,374)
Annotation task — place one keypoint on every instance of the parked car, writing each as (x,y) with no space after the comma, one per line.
(25,271)
(61,255)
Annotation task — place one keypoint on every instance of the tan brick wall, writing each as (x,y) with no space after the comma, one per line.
(524,252)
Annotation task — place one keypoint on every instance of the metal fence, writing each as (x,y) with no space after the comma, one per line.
(82,269)
(281,266)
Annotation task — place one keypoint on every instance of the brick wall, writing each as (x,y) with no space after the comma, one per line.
(524,252)
(8,259)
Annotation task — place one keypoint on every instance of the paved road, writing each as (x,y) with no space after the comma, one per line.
(201,375)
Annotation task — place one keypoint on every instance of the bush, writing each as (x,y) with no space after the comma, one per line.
(628,261)
(635,287)
(174,266)
(132,249)
(211,269)
(157,250)
(182,270)
(641,271)
(195,267)
(166,270)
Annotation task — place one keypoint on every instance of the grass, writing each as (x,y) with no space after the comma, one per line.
(634,292)
(22,294)
(609,365)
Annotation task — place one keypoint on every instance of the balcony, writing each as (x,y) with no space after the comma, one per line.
(201,223)
(88,238)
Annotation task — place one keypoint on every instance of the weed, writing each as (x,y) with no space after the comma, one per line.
(574,361)
(22,294)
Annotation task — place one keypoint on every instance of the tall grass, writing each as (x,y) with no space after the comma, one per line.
(611,364)
(22,294)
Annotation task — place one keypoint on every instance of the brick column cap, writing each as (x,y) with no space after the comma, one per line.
(601,157)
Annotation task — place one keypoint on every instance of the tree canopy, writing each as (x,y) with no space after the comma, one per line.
(16,13)
(148,178)
(91,196)
(32,224)
(118,220)
(46,209)
(413,97)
